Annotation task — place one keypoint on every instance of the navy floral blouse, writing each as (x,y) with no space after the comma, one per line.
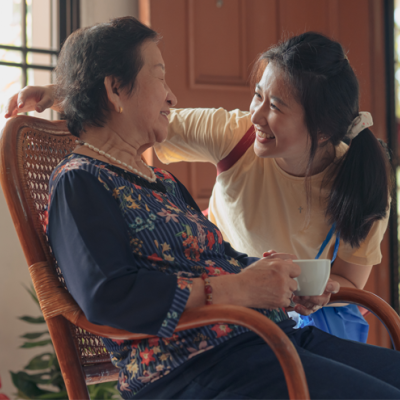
(128,250)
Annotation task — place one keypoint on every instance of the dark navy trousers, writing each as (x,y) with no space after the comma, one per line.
(335,369)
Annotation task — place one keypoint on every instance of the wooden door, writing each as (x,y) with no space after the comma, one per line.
(209,47)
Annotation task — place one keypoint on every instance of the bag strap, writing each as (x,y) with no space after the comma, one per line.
(326,241)
(237,152)
(362,310)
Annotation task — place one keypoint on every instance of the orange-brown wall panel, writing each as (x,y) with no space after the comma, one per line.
(212,41)
(262,27)
(307,15)
(356,34)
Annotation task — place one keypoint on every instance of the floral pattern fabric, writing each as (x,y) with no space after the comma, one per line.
(168,235)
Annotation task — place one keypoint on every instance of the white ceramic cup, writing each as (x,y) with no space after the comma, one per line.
(313,278)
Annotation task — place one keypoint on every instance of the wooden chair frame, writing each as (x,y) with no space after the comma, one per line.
(60,310)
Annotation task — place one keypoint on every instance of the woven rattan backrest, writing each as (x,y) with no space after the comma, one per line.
(40,146)
(38,153)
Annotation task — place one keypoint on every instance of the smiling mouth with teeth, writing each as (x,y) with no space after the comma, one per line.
(265,135)
(164,113)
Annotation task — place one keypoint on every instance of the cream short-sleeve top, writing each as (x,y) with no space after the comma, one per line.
(256,205)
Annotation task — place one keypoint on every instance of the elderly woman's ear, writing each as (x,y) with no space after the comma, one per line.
(113,90)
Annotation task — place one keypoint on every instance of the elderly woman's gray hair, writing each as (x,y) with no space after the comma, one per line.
(87,57)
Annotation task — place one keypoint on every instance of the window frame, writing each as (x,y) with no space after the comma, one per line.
(392,127)
(68,21)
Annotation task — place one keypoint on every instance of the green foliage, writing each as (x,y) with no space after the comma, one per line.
(32,293)
(44,370)
(28,345)
(106,390)
(32,320)
(35,335)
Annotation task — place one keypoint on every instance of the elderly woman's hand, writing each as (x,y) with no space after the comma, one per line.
(269,283)
(307,305)
(31,98)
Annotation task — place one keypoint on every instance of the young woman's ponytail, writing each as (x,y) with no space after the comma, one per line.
(360,190)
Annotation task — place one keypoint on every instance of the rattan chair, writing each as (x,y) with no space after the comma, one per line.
(30,148)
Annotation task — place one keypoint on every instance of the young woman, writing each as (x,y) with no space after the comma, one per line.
(300,189)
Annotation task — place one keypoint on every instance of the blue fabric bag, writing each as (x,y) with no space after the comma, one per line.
(345,322)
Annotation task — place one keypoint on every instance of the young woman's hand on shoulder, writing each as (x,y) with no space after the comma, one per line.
(31,98)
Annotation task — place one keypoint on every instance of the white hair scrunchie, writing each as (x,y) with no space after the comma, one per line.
(361,122)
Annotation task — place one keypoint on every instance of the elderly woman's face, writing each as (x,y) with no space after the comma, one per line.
(149,104)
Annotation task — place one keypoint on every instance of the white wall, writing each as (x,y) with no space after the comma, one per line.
(14,300)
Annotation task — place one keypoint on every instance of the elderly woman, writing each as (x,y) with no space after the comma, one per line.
(136,251)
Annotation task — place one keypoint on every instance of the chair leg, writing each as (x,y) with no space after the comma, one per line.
(68,358)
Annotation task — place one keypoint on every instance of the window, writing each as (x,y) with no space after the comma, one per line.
(30,35)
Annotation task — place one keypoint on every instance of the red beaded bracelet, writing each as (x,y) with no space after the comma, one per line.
(207,289)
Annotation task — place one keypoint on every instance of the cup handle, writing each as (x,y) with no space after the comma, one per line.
(298,285)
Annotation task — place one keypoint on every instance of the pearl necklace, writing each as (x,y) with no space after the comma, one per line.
(153,177)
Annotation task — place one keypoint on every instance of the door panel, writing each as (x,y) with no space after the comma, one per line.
(306,15)
(209,51)
(212,41)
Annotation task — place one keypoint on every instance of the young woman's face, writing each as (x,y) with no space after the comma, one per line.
(281,131)
(149,104)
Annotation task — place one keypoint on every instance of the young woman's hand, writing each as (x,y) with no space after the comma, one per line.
(307,305)
(272,255)
(31,98)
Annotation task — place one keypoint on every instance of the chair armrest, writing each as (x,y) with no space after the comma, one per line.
(246,317)
(377,306)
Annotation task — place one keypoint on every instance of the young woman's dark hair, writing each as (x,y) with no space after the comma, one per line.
(87,57)
(323,82)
